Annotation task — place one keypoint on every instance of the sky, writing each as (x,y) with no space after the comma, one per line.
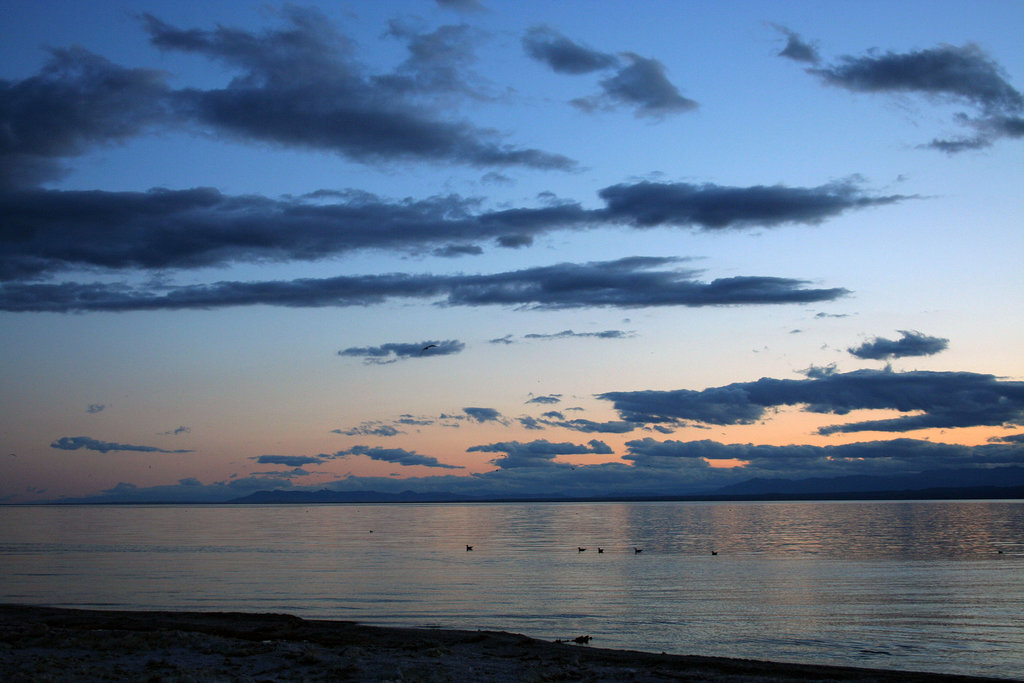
(499,248)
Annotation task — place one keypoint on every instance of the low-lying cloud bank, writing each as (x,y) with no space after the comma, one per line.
(937,399)
(652,468)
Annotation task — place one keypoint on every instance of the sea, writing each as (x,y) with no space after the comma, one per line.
(924,585)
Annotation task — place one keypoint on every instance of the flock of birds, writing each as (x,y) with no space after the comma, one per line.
(580,549)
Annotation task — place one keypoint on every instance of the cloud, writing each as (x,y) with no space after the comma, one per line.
(642,84)
(648,204)
(78,100)
(392,352)
(483,414)
(289,460)
(910,343)
(297,86)
(1009,438)
(892,457)
(652,468)
(563,55)
(548,399)
(437,61)
(398,456)
(95,408)
(74,443)
(638,81)
(941,399)
(796,48)
(567,334)
(591,427)
(461,5)
(539,453)
(946,73)
(300,86)
(456,250)
(626,283)
(49,231)
(176,431)
(372,428)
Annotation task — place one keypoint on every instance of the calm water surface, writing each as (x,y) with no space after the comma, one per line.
(916,585)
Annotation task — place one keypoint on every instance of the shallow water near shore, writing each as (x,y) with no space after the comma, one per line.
(930,586)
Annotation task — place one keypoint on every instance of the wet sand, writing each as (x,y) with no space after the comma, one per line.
(50,644)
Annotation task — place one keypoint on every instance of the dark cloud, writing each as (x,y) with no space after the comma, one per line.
(567,334)
(412,421)
(527,422)
(655,468)
(95,408)
(629,282)
(398,456)
(74,443)
(456,250)
(539,453)
(649,204)
(1010,438)
(910,343)
(514,241)
(641,84)
(796,48)
(638,82)
(299,86)
(942,399)
(289,460)
(78,100)
(176,431)
(897,456)
(563,55)
(550,398)
(483,414)
(392,352)
(369,429)
(948,73)
(591,427)
(46,232)
(461,5)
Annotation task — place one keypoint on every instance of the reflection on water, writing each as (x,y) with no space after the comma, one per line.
(917,585)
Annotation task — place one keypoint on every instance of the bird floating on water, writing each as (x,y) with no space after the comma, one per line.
(637,551)
(580,549)
(468,548)
(600,549)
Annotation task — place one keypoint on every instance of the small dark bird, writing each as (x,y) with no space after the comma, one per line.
(579,549)
(637,551)
(714,552)
(428,346)
(600,549)
(468,548)
(582,640)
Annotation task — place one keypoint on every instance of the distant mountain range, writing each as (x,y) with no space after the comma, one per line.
(996,483)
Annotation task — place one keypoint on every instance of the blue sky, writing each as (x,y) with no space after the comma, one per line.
(503,248)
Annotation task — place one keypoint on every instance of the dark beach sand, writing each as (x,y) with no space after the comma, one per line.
(49,644)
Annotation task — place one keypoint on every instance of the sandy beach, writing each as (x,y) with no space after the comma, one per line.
(50,644)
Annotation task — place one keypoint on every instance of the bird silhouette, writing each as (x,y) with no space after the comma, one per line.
(428,346)
(580,549)
(637,551)
(468,548)
(600,549)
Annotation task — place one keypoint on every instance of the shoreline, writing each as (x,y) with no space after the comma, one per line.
(54,644)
